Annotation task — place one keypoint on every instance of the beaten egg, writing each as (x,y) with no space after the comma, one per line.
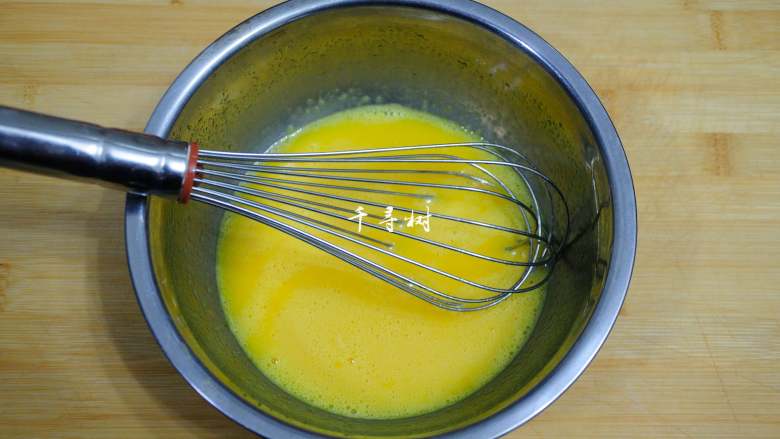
(349,343)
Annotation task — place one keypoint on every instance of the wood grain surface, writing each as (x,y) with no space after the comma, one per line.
(692,85)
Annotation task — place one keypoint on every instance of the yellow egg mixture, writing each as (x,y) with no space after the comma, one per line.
(347,342)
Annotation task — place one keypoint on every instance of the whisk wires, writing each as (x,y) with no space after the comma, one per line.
(319,197)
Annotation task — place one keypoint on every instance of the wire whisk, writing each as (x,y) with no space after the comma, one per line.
(320,197)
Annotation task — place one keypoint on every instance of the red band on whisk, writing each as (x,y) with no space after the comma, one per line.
(189,173)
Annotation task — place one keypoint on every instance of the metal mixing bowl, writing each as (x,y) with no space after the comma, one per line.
(460,60)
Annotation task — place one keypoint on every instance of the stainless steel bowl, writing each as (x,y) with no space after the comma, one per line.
(306,58)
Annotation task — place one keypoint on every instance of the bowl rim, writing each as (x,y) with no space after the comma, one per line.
(616,165)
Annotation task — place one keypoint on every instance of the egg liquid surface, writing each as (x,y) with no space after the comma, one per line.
(346,342)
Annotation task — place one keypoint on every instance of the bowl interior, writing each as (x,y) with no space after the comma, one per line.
(350,56)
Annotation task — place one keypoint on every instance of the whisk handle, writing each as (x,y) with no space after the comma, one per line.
(77,150)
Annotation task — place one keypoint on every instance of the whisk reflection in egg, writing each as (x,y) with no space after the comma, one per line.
(312,196)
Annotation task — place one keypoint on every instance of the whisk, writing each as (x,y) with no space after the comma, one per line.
(306,195)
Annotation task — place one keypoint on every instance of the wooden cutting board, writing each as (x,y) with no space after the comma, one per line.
(693,87)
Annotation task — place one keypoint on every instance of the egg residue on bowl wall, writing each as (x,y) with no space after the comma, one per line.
(344,341)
